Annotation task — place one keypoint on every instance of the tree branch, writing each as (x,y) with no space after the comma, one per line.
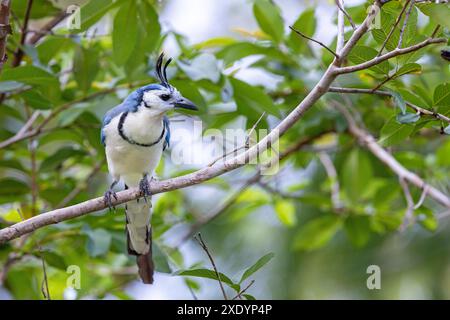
(397,21)
(208,173)
(389,55)
(314,40)
(340,38)
(205,248)
(349,18)
(48,27)
(5,30)
(18,55)
(405,23)
(389,94)
(367,140)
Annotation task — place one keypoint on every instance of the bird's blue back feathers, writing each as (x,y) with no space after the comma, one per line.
(130,104)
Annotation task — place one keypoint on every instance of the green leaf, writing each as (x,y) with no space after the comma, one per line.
(306,24)
(441,96)
(316,233)
(256,266)
(249,296)
(408,68)
(7,86)
(12,187)
(398,99)
(394,132)
(204,66)
(285,210)
(50,46)
(40,9)
(160,259)
(53,259)
(36,100)
(380,35)
(269,18)
(93,11)
(358,229)
(407,117)
(357,171)
(252,101)
(361,54)
(239,50)
(125,32)
(438,12)
(85,67)
(99,241)
(30,75)
(426,218)
(56,159)
(150,27)
(205,273)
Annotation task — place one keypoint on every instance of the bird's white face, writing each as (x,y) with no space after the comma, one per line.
(163,100)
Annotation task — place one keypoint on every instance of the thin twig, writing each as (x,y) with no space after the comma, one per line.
(389,94)
(205,248)
(5,30)
(349,18)
(409,215)
(405,22)
(44,287)
(397,21)
(332,175)
(340,38)
(388,78)
(435,31)
(313,40)
(391,54)
(245,146)
(19,52)
(240,293)
(422,197)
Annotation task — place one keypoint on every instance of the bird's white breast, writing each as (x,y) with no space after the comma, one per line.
(128,161)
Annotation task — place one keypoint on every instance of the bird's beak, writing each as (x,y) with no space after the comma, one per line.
(185,104)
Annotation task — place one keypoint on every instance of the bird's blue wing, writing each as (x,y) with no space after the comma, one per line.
(167,138)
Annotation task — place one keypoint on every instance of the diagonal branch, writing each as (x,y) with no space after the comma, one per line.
(205,248)
(5,29)
(349,18)
(389,94)
(367,140)
(18,55)
(340,38)
(397,21)
(405,23)
(314,40)
(389,55)
(208,173)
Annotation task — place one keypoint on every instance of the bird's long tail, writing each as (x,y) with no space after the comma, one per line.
(139,236)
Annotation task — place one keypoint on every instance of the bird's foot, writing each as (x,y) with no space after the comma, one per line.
(107,198)
(144,187)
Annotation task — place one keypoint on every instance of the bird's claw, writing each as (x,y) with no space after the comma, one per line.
(144,188)
(107,198)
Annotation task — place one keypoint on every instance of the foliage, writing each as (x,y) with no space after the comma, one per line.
(77,75)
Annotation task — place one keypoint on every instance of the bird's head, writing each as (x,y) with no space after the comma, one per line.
(163,97)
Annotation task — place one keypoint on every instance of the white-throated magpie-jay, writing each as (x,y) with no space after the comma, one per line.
(134,134)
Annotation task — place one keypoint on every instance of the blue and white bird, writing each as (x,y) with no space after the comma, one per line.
(135,133)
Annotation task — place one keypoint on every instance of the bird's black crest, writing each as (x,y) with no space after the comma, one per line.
(162,71)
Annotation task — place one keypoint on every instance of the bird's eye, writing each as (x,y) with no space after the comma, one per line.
(165,97)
